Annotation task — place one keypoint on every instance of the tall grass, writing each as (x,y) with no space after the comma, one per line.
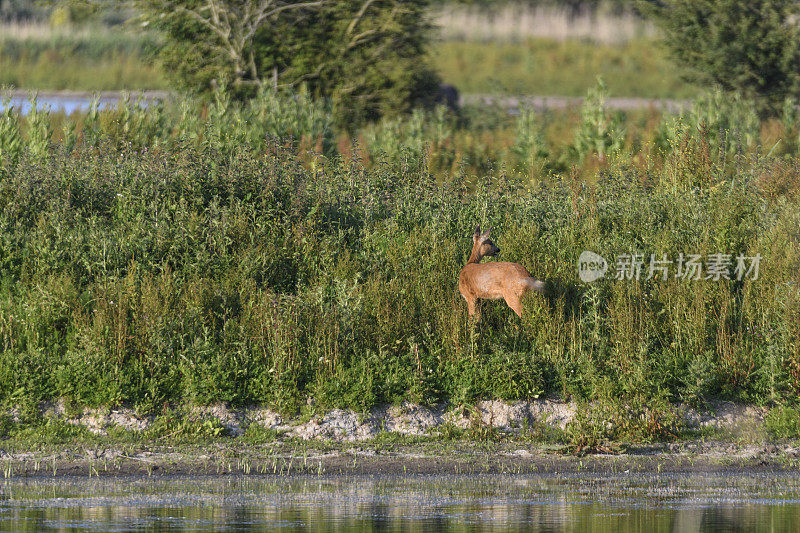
(143,265)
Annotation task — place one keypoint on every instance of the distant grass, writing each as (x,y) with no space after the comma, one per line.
(638,68)
(113,73)
(99,60)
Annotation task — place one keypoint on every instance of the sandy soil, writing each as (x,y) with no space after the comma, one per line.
(340,425)
(383,441)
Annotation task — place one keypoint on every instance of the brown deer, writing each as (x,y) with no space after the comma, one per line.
(493,281)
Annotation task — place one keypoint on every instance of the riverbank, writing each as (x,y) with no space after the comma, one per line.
(457,457)
(490,437)
(547,419)
(153,257)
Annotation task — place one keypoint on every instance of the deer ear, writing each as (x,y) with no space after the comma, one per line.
(486,233)
(477,233)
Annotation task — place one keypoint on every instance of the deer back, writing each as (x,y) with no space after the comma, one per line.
(493,280)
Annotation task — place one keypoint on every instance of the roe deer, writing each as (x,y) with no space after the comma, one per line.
(493,281)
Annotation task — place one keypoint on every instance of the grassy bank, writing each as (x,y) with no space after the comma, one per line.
(161,255)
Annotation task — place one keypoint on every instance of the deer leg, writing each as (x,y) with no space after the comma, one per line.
(515,304)
(470,307)
(475,311)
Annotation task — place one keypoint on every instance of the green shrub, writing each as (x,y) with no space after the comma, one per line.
(751,47)
(600,132)
(728,122)
(11,143)
(783,422)
(529,148)
(185,273)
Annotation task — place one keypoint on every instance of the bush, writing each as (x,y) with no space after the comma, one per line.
(748,47)
(728,122)
(600,132)
(783,422)
(529,147)
(187,273)
(368,59)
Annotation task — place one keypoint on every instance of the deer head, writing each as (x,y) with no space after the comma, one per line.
(482,246)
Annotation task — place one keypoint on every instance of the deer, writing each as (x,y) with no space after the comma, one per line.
(496,280)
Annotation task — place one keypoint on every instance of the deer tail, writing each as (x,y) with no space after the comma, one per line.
(536,285)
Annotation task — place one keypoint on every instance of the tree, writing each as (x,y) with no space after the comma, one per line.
(366,56)
(221,31)
(22,10)
(751,47)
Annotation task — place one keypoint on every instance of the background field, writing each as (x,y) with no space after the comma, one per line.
(637,68)
(91,58)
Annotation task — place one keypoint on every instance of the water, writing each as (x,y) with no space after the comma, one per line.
(436,503)
(70,103)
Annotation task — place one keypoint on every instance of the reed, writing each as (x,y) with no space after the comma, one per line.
(522,21)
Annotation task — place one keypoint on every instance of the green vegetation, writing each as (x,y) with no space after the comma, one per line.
(784,422)
(165,255)
(639,68)
(368,58)
(104,60)
(750,47)
(306,245)
(94,58)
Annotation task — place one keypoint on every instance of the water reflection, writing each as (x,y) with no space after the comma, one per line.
(664,503)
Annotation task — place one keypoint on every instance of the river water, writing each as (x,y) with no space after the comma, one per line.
(69,103)
(427,503)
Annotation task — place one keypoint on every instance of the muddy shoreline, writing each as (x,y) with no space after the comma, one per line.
(490,437)
(460,458)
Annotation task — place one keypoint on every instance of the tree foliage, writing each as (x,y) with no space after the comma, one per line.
(21,10)
(751,47)
(366,56)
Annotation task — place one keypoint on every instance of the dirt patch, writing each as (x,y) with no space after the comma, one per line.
(513,416)
(95,420)
(341,425)
(411,419)
(230,419)
(725,415)
(337,425)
